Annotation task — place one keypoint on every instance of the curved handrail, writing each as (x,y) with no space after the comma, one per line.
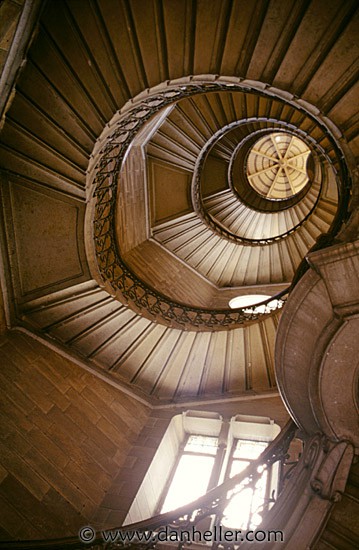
(248,195)
(113,270)
(197,200)
(191,513)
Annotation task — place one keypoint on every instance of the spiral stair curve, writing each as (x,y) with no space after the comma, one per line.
(200,246)
(163,329)
(150,174)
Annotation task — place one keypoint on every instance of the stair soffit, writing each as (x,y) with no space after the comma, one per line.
(151,103)
(69,137)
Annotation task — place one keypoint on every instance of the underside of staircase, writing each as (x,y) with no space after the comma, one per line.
(199,246)
(160,158)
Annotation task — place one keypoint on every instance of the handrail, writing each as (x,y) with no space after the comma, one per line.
(197,200)
(115,273)
(182,517)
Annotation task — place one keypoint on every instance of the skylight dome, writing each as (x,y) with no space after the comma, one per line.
(277,166)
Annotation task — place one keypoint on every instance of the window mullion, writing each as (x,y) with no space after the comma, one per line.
(220,456)
(217,467)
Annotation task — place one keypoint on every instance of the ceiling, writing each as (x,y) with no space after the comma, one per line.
(183,221)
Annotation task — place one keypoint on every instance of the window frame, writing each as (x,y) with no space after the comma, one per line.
(181,426)
(182,452)
(272,478)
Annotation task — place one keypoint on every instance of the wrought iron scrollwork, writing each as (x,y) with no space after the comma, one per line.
(185,518)
(197,200)
(113,270)
(213,504)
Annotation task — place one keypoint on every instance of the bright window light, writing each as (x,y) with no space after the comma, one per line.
(193,472)
(190,481)
(201,444)
(250,300)
(249,449)
(243,511)
(190,461)
(247,300)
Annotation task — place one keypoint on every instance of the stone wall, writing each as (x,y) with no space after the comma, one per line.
(65,436)
(74,449)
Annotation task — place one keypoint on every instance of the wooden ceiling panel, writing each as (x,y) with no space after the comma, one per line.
(54,221)
(211,23)
(26,167)
(42,127)
(191,110)
(179,24)
(311,41)
(93,25)
(90,57)
(132,225)
(160,269)
(338,72)
(148,37)
(157,362)
(279,24)
(18,138)
(244,24)
(214,176)
(354,146)
(65,82)
(68,37)
(345,112)
(38,91)
(169,191)
(187,123)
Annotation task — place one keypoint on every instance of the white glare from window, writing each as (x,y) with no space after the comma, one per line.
(244,509)
(249,449)
(251,300)
(192,473)
(201,444)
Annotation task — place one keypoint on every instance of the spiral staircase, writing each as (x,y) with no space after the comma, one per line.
(260,250)
(138,202)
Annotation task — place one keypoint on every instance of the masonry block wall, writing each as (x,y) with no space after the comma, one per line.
(65,436)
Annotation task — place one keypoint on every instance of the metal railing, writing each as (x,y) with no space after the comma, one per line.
(187,517)
(211,220)
(115,272)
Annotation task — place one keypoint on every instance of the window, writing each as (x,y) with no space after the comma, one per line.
(199,451)
(250,501)
(249,301)
(192,473)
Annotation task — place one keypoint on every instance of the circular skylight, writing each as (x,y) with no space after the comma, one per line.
(277,166)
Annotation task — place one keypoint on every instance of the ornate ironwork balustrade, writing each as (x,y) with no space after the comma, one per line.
(115,274)
(187,518)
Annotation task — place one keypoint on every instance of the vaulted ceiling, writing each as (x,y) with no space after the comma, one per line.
(139,200)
